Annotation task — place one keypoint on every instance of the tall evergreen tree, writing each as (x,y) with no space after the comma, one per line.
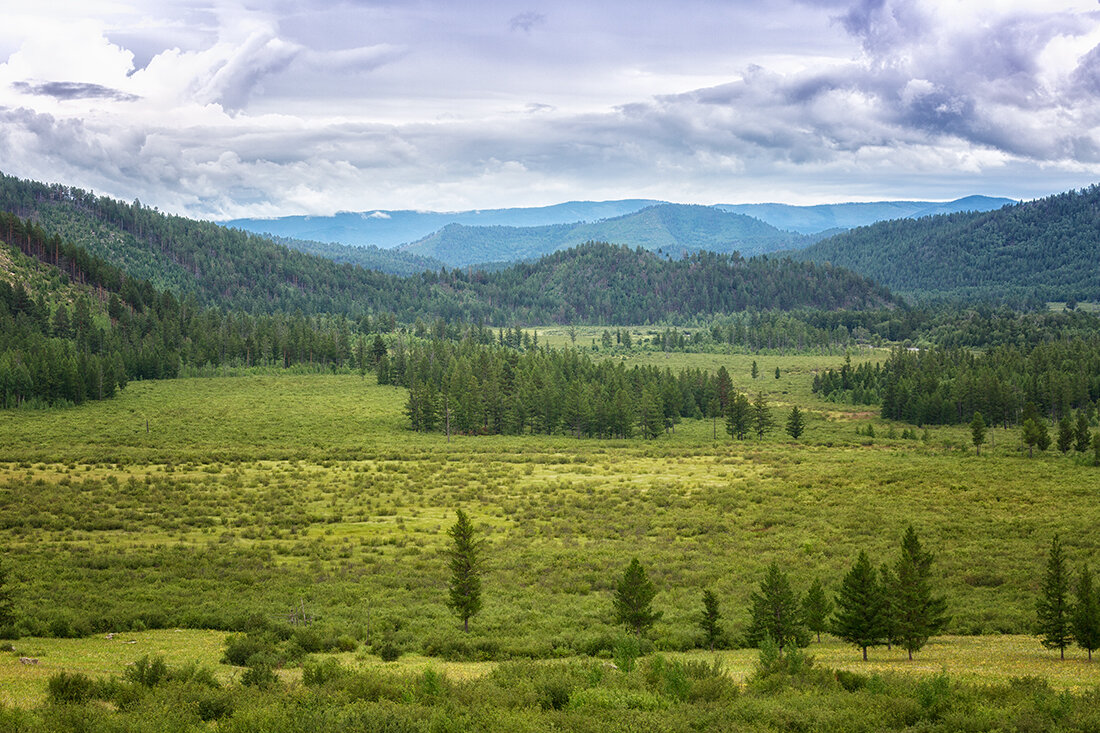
(1086,613)
(859,617)
(1066,434)
(761,416)
(633,601)
(1082,436)
(796,423)
(465,561)
(738,416)
(776,612)
(918,614)
(7,602)
(711,620)
(977,431)
(816,608)
(1053,607)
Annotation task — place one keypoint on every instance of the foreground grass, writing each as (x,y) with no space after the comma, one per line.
(983,660)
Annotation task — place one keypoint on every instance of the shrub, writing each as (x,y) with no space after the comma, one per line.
(147,672)
(316,673)
(70,687)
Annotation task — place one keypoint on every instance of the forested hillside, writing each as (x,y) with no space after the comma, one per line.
(1044,249)
(391,261)
(672,229)
(243,272)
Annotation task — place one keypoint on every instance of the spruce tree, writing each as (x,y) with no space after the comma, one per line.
(634,598)
(918,614)
(977,431)
(738,416)
(1053,608)
(1081,432)
(1086,613)
(796,423)
(1030,434)
(761,416)
(816,608)
(776,612)
(859,617)
(1066,434)
(7,603)
(710,620)
(465,560)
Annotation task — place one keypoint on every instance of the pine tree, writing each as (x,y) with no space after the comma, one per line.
(738,416)
(465,557)
(859,618)
(918,614)
(634,598)
(816,608)
(796,423)
(1086,613)
(1053,605)
(755,370)
(1066,434)
(761,416)
(710,620)
(1081,432)
(977,431)
(1030,433)
(776,612)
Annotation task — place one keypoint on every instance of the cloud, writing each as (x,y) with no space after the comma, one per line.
(526,20)
(74,90)
(377,215)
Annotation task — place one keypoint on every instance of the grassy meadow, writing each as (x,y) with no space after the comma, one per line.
(206,503)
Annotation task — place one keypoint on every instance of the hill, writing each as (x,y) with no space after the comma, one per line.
(1046,249)
(391,261)
(825,217)
(234,270)
(672,229)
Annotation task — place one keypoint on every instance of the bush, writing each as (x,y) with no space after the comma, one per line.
(241,649)
(316,673)
(70,687)
(146,672)
(389,652)
(260,676)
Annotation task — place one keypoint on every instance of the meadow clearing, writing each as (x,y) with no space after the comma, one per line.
(201,503)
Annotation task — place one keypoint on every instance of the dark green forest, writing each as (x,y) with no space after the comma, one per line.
(1045,249)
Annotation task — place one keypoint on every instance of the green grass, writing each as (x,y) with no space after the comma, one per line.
(250,495)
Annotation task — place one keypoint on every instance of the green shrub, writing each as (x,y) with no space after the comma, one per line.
(147,672)
(316,673)
(70,687)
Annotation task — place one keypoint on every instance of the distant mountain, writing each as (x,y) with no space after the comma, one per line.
(672,229)
(817,219)
(388,229)
(1046,249)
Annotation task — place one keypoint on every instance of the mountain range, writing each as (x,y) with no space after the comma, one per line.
(387,229)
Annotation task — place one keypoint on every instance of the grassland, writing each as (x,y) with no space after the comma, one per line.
(198,503)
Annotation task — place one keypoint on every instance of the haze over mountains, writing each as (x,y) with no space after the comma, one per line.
(480,229)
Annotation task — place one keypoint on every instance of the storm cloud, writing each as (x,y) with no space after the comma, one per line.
(327,106)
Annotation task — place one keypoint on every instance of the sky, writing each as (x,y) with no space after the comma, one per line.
(224,109)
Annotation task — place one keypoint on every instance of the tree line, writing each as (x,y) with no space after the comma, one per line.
(938,386)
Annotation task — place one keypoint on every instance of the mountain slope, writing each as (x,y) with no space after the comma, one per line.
(813,219)
(388,229)
(674,229)
(1046,249)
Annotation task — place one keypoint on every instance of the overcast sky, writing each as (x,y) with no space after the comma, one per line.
(224,109)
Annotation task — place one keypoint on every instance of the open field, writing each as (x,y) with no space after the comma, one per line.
(250,496)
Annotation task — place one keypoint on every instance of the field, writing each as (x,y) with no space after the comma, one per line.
(201,503)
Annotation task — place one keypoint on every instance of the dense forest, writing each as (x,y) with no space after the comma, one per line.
(948,385)
(593,283)
(1043,249)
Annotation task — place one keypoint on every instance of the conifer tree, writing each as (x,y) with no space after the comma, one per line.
(1082,436)
(796,423)
(7,603)
(465,560)
(977,431)
(634,598)
(1086,613)
(710,620)
(859,617)
(755,370)
(917,613)
(816,608)
(738,416)
(776,612)
(1053,608)
(1066,434)
(761,416)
